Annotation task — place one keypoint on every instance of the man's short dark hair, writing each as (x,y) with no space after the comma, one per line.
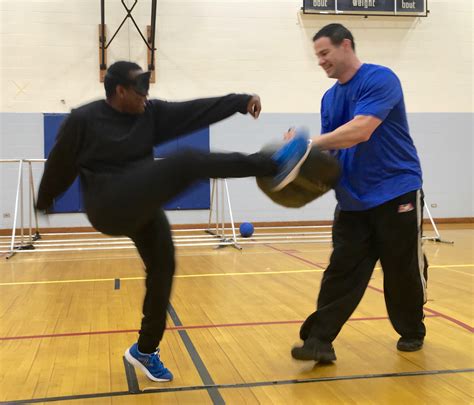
(118,73)
(336,33)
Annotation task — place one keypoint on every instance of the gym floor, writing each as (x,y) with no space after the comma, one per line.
(67,317)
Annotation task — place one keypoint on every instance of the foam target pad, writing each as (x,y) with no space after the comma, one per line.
(318,174)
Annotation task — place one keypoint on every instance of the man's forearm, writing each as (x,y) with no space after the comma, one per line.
(352,133)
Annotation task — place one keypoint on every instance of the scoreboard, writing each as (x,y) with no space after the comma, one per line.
(414,8)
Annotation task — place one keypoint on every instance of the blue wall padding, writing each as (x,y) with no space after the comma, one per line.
(71,200)
(195,197)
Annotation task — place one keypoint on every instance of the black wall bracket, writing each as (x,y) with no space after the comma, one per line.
(149,40)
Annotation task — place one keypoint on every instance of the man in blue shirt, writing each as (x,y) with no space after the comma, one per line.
(380,201)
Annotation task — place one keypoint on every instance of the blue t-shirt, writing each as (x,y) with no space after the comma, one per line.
(387,165)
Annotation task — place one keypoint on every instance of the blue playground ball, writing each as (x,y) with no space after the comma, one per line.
(246,229)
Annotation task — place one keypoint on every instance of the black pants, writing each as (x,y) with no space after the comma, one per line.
(390,232)
(130,205)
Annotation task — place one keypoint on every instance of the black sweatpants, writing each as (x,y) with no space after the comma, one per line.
(130,204)
(390,232)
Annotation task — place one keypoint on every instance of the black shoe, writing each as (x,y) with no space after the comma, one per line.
(409,344)
(314,349)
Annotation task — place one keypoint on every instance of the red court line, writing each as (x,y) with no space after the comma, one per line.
(437,313)
(441,315)
(55,335)
(209,326)
(296,257)
(448,318)
(375,289)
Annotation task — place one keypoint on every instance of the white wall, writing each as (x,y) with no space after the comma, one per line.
(49,53)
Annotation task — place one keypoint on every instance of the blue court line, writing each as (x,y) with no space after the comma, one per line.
(132,381)
(242,385)
(198,363)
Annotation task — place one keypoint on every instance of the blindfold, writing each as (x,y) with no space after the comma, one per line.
(141,82)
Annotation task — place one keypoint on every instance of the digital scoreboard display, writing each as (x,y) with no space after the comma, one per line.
(415,8)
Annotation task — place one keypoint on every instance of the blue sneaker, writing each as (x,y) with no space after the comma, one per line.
(290,157)
(150,364)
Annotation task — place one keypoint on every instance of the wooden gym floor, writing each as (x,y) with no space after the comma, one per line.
(66,319)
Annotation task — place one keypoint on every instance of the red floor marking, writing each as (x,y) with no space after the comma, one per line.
(209,326)
(437,313)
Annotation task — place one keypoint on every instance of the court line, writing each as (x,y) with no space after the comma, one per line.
(440,314)
(291,254)
(449,318)
(24,260)
(255,384)
(132,380)
(437,313)
(90,280)
(206,378)
(319,269)
(451,268)
(183,327)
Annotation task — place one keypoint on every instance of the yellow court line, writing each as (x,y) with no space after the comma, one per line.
(448,266)
(454,271)
(90,280)
(24,259)
(445,266)
(252,273)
